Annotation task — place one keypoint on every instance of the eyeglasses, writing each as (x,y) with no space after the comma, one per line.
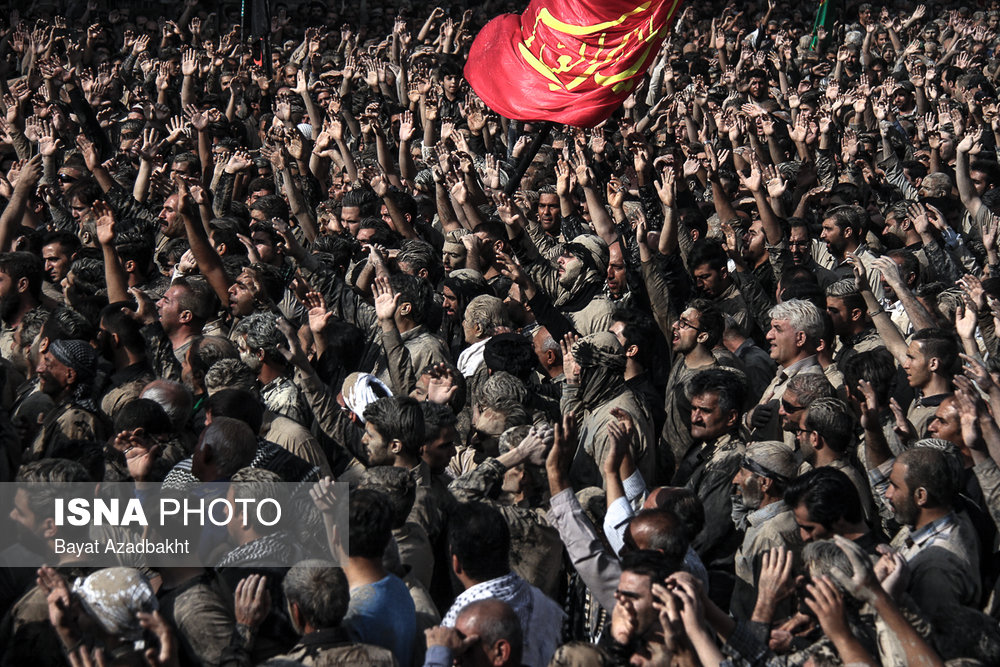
(66,178)
(684,324)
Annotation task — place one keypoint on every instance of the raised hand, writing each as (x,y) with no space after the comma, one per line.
(252,600)
(441,385)
(319,317)
(386,300)
(189,62)
(105,222)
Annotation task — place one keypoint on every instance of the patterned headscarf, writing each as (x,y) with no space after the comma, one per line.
(113,596)
(602,365)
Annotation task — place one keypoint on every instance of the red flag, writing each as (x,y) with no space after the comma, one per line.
(568,61)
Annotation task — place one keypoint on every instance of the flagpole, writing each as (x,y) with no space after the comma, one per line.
(545,127)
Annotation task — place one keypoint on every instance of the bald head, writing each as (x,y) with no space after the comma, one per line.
(660,530)
(498,628)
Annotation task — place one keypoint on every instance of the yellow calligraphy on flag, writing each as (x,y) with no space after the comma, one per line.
(568,69)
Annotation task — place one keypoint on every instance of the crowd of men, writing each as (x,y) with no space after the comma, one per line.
(714,386)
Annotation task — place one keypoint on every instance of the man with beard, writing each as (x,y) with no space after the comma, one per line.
(259,340)
(458,289)
(548,212)
(851,322)
(576,284)
(258,286)
(709,466)
(180,317)
(454,254)
(825,439)
(843,232)
(765,471)
(120,341)
(695,333)
(940,546)
(58,248)
(27,636)
(708,264)
(20,291)
(800,245)
(66,373)
(617,281)
(595,381)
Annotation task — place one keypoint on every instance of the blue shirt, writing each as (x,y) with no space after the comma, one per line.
(383,614)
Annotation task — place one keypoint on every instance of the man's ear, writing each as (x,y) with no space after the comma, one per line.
(733,419)
(801,339)
(23,285)
(70,375)
(405,308)
(501,652)
(920,496)
(395,446)
(857,315)
(49,529)
(765,484)
(185,316)
(129,266)
(934,364)
(632,350)
(455,565)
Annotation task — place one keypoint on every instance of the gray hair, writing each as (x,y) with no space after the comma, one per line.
(842,288)
(801,315)
(488,312)
(319,590)
(501,388)
(173,397)
(823,556)
(262,332)
(233,443)
(809,387)
(229,374)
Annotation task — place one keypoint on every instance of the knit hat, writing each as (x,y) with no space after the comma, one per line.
(771,459)
(77,355)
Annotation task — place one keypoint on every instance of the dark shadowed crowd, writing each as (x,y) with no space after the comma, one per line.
(712,383)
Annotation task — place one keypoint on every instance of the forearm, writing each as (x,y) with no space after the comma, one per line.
(187,91)
(140,189)
(918,652)
(297,205)
(349,164)
(114,275)
(402,226)
(599,216)
(886,328)
(407,167)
